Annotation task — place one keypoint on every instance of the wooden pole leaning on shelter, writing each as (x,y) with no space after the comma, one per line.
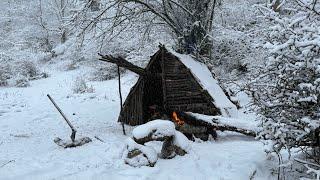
(120,95)
(121,62)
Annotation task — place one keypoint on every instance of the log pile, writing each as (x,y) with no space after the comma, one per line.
(138,154)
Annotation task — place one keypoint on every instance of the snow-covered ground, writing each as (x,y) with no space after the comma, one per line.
(29,123)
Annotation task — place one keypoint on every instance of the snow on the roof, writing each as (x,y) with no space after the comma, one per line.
(207,81)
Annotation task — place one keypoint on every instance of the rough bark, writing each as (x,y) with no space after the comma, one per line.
(121,62)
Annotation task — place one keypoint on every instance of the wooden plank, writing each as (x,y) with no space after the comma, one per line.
(163,70)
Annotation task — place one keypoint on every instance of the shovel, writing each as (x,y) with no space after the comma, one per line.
(73,142)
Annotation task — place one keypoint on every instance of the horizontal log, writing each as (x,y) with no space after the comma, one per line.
(179,81)
(181,100)
(170,75)
(184,93)
(121,62)
(217,125)
(179,87)
(188,106)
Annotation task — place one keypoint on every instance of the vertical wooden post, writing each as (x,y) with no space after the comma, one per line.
(164,90)
(120,95)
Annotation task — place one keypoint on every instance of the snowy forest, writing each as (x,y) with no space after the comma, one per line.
(160,89)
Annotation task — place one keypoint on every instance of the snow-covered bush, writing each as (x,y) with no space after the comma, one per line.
(288,90)
(22,81)
(314,172)
(80,86)
(28,69)
(5,73)
(106,73)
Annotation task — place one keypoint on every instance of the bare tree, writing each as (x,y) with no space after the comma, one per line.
(54,17)
(189,21)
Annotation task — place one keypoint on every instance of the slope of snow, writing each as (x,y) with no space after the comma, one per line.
(207,81)
(29,123)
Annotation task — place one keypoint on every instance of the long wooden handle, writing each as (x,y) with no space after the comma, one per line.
(62,114)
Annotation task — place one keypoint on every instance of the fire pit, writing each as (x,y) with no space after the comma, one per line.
(191,127)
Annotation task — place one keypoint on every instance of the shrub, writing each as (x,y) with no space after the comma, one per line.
(106,73)
(80,86)
(22,81)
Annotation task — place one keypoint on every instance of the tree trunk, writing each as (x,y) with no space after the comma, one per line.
(196,41)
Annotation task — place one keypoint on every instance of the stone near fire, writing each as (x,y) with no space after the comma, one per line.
(156,130)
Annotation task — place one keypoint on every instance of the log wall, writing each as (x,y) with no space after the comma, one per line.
(179,92)
(184,93)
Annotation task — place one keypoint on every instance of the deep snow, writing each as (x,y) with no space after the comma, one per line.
(29,123)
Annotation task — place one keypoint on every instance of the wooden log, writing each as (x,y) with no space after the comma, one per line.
(185,93)
(123,63)
(216,124)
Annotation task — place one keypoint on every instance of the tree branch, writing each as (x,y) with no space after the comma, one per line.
(121,62)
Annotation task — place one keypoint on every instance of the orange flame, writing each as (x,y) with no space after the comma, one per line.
(175,117)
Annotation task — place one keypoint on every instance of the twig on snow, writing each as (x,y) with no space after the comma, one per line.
(6,163)
(99,139)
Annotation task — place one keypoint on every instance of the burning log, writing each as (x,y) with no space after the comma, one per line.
(191,127)
(210,126)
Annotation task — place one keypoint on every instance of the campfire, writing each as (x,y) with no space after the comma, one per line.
(192,127)
(176,119)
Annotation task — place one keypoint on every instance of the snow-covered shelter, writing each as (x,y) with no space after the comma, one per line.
(174,82)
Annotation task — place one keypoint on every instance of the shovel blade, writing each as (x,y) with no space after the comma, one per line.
(70,144)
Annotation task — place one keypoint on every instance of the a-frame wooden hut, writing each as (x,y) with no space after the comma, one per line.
(174,82)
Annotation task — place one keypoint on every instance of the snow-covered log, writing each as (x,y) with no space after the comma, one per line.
(222,123)
(177,145)
(156,130)
(137,155)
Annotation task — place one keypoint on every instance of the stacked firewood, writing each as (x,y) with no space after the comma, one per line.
(137,153)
